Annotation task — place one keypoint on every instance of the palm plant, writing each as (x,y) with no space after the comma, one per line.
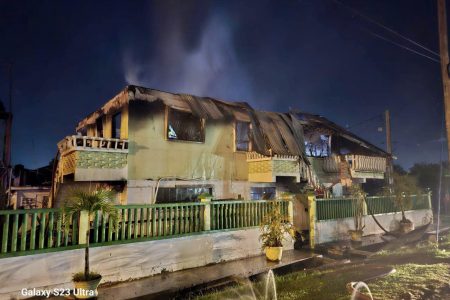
(90,201)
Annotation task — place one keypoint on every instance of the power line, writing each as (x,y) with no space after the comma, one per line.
(401,46)
(365,121)
(385,27)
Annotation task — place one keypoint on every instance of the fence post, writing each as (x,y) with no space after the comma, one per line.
(312,219)
(207,214)
(290,211)
(83,227)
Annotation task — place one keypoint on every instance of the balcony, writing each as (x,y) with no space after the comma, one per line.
(366,166)
(93,158)
(267,168)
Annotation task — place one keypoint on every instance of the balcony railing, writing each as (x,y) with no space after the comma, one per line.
(361,163)
(75,142)
(266,168)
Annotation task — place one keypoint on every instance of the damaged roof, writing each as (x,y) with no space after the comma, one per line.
(272,133)
(311,122)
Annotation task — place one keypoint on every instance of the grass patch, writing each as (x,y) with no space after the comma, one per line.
(422,272)
(413,281)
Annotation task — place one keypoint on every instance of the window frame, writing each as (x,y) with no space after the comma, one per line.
(166,126)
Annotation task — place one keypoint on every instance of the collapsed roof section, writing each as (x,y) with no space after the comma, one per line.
(272,133)
(317,124)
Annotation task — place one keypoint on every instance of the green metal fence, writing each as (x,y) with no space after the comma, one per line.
(328,209)
(241,214)
(39,230)
(148,221)
(34,229)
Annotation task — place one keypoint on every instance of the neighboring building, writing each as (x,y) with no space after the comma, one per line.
(29,197)
(339,157)
(153,146)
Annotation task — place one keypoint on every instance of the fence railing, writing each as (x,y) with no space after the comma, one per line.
(240,214)
(34,229)
(328,209)
(148,221)
(29,231)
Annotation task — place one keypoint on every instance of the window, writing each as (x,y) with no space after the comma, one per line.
(99,127)
(181,194)
(242,136)
(318,146)
(184,126)
(262,193)
(115,126)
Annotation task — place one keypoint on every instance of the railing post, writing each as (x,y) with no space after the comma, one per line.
(312,219)
(290,211)
(83,227)
(207,214)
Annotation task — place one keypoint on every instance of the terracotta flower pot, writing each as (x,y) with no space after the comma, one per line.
(86,289)
(274,253)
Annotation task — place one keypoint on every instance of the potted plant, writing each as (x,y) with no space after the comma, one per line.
(88,201)
(404,186)
(274,229)
(358,197)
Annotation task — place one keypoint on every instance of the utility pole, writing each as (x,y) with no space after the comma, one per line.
(443,50)
(389,167)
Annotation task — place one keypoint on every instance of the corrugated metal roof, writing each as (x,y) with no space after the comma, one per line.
(272,133)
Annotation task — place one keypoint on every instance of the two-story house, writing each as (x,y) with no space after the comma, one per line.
(153,146)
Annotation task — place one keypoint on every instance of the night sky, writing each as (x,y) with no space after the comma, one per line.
(70,57)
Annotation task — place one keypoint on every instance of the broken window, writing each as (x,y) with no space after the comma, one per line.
(184,126)
(115,126)
(242,136)
(262,193)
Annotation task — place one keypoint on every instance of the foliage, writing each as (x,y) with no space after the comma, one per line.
(358,197)
(81,276)
(403,188)
(91,201)
(204,196)
(275,227)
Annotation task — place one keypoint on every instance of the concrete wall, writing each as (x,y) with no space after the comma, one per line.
(127,261)
(334,230)
(152,156)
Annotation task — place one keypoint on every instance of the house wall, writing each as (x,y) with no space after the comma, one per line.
(151,156)
(335,230)
(127,261)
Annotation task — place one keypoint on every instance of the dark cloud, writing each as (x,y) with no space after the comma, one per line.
(311,55)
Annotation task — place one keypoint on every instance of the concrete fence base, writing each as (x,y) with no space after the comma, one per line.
(335,230)
(126,261)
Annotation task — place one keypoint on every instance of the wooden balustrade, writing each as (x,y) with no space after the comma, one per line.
(76,142)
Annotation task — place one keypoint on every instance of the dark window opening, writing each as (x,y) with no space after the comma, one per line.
(116,124)
(242,136)
(99,127)
(184,126)
(318,146)
(181,194)
(262,193)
